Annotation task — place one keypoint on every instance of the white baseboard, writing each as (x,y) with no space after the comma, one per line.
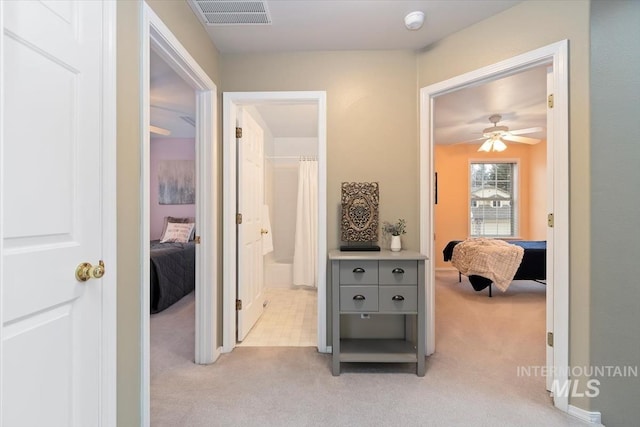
(590,417)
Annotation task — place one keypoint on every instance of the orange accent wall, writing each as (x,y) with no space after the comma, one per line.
(538,193)
(452,211)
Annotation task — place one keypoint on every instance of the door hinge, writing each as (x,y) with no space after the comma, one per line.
(197,240)
(550,101)
(238,304)
(550,220)
(550,339)
(238,133)
(239,218)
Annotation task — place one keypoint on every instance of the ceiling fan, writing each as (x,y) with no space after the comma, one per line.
(496,135)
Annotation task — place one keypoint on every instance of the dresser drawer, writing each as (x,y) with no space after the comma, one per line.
(359,298)
(398,299)
(358,272)
(398,272)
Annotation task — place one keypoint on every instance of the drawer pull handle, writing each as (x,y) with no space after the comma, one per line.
(397,270)
(358,270)
(359,298)
(397,298)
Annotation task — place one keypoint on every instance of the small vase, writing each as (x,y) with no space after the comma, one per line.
(396,244)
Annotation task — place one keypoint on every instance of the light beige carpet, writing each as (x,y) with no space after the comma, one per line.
(471,380)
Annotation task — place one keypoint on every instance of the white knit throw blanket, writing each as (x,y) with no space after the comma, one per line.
(494,259)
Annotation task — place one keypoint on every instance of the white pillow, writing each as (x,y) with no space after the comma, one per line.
(168,219)
(177,232)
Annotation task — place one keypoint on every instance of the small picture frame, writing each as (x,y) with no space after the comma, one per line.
(435,188)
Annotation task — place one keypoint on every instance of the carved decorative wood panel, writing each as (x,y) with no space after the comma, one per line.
(359,212)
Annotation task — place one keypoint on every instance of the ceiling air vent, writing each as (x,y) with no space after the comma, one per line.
(231,12)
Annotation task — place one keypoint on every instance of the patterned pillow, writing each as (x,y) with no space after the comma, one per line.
(169,219)
(177,232)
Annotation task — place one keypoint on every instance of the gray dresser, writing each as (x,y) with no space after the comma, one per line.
(381,284)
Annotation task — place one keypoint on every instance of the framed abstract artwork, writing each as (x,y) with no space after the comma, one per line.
(176,182)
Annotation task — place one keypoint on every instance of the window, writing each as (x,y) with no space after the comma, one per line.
(493,199)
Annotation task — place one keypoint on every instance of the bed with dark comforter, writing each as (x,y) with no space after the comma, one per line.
(533,266)
(173,272)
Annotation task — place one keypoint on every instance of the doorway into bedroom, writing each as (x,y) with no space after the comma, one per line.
(494,194)
(192,332)
(528,181)
(172,213)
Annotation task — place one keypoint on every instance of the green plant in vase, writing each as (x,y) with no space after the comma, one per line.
(395,230)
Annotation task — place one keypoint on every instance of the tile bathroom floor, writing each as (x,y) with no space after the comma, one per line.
(290,319)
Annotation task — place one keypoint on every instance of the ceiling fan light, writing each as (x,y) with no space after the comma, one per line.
(498,145)
(486,146)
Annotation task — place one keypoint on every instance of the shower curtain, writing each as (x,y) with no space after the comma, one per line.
(306,236)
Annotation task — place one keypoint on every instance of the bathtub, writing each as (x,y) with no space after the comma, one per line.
(278,275)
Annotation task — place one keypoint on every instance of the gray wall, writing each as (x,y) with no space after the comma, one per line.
(615,205)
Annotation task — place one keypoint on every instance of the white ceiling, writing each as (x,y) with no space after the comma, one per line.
(520,99)
(290,120)
(362,25)
(171,99)
(304,25)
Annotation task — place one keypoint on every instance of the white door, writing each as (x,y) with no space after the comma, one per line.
(250,201)
(52,337)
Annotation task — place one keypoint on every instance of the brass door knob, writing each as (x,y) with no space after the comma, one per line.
(263,231)
(86,271)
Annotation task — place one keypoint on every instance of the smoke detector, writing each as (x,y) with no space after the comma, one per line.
(231,12)
(414,20)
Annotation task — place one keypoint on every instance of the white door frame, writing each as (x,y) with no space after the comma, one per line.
(156,35)
(110,218)
(556,55)
(231,101)
(108,375)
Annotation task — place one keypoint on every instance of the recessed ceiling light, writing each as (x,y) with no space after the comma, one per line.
(414,20)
